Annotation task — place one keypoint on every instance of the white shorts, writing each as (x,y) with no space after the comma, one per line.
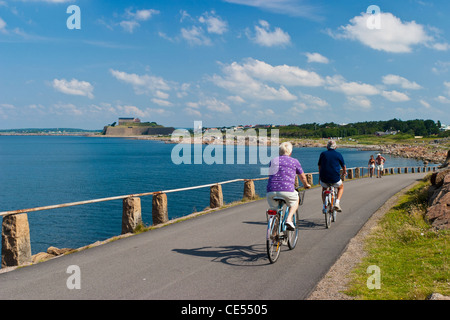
(326,185)
(291,198)
(380,166)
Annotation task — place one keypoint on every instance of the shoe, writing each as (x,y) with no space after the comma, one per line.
(337,207)
(290,226)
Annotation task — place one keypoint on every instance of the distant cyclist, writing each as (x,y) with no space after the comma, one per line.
(330,164)
(282,172)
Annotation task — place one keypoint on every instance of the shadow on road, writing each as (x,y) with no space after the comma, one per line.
(304,224)
(254,255)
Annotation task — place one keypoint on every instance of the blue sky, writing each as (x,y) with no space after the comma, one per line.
(223,62)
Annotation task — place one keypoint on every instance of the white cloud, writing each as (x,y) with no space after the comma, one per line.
(265,37)
(142,84)
(395,96)
(66,109)
(162,102)
(359,102)
(394,36)
(211,104)
(145,14)
(132,23)
(2,26)
(195,36)
(214,23)
(236,99)
(392,79)
(447,88)
(338,84)
(425,104)
(250,78)
(294,8)
(442,99)
(132,111)
(282,74)
(74,87)
(129,26)
(313,100)
(192,112)
(316,57)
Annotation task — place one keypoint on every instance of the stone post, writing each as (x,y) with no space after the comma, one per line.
(249,190)
(406,170)
(350,173)
(131,214)
(413,170)
(215,196)
(159,209)
(399,170)
(357,173)
(391,170)
(309,178)
(16,246)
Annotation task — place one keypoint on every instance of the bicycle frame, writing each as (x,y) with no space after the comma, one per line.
(330,212)
(277,233)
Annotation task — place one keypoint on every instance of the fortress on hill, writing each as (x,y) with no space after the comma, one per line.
(134,127)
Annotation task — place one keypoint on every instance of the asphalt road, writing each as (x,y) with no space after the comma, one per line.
(220,255)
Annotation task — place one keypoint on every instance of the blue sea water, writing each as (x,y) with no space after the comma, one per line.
(48,170)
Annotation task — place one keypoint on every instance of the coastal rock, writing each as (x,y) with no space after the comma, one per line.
(41,256)
(437,178)
(57,252)
(438,212)
(438,296)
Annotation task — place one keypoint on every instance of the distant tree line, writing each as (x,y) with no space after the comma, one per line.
(331,129)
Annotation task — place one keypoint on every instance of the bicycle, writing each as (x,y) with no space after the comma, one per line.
(277,234)
(330,211)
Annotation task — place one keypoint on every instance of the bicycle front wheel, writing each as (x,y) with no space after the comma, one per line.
(273,242)
(293,235)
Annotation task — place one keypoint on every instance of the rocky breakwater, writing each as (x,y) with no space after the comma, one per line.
(438,212)
(425,154)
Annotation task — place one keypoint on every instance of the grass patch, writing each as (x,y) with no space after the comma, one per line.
(412,257)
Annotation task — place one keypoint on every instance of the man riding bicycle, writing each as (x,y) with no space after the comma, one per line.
(282,172)
(330,164)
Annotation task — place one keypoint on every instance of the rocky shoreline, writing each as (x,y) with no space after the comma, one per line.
(427,154)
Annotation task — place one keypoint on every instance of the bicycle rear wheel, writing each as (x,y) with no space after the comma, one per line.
(328,218)
(273,242)
(328,211)
(293,235)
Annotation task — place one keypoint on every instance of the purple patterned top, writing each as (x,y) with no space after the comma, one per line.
(282,172)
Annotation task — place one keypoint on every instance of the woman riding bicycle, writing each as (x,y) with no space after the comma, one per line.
(282,172)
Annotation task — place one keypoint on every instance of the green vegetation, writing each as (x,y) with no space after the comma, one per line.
(408,129)
(412,257)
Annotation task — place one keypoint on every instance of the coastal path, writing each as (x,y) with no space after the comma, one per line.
(219,255)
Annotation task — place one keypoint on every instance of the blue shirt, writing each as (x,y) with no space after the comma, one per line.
(330,163)
(282,173)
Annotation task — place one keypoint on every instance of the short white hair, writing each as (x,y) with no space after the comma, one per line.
(331,145)
(285,148)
